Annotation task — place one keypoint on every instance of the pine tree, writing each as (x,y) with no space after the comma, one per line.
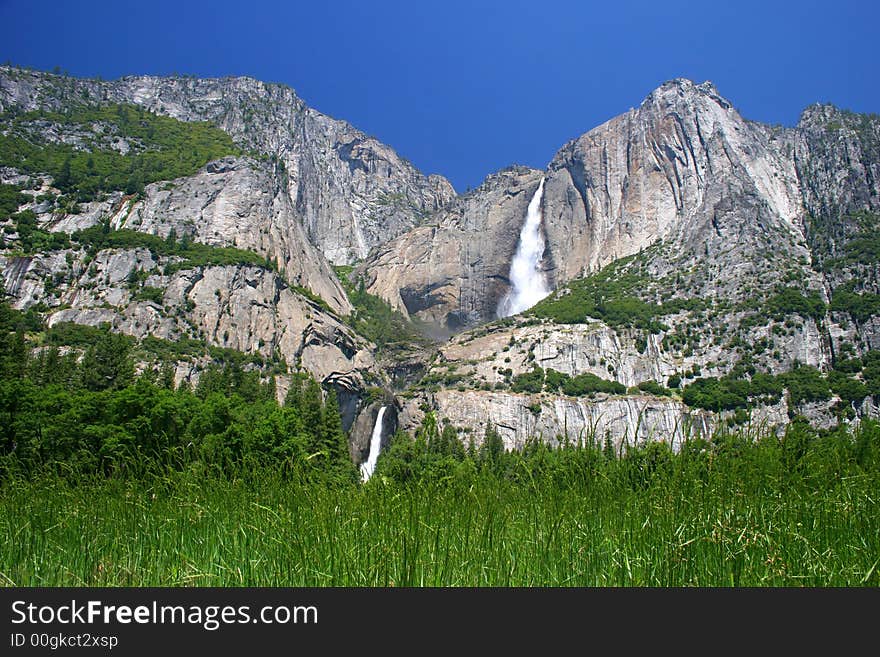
(311,411)
(271,389)
(334,442)
(166,376)
(294,396)
(428,433)
(17,363)
(107,364)
(63,179)
(492,448)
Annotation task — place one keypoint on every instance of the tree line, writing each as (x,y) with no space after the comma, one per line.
(92,409)
(87,411)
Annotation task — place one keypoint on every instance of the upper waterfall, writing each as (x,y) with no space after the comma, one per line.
(528,285)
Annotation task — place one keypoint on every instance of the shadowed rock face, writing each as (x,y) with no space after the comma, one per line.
(453,271)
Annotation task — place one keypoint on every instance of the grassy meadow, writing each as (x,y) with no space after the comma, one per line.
(739,514)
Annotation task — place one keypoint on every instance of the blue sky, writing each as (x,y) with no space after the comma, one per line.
(463,88)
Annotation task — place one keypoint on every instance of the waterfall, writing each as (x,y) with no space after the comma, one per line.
(369,465)
(528,285)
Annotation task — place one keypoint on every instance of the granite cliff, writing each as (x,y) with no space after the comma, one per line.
(687,248)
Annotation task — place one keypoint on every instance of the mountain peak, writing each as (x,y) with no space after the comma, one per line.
(820,115)
(672,91)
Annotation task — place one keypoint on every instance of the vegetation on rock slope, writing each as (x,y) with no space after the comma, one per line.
(375,319)
(91,149)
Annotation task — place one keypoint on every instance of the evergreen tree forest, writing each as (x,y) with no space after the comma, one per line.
(81,409)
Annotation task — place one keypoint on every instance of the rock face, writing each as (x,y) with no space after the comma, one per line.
(683,167)
(350,192)
(683,158)
(319,190)
(621,420)
(362,430)
(838,161)
(249,309)
(452,271)
(571,349)
(474,371)
(236,202)
(708,207)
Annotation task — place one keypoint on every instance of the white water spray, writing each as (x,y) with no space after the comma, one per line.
(528,285)
(369,465)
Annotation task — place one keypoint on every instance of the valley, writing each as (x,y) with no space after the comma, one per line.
(207,280)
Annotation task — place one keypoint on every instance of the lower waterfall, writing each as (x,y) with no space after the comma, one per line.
(369,465)
(528,285)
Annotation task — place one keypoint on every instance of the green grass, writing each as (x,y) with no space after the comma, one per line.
(742,520)
(189,531)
